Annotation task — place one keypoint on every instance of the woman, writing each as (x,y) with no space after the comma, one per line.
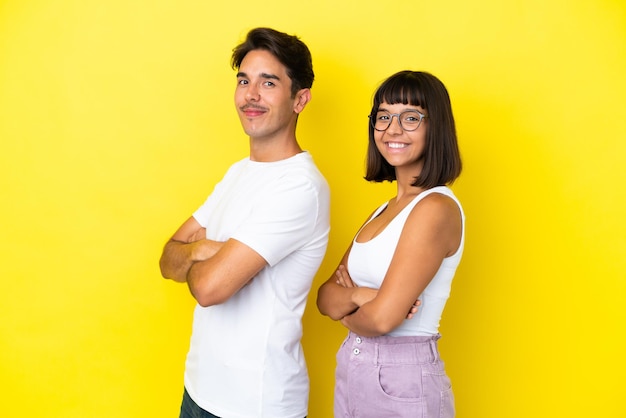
(404,255)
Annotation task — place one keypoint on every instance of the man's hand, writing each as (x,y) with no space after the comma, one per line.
(187,246)
(197,235)
(201,247)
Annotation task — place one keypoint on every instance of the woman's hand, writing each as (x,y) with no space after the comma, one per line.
(413,309)
(343,278)
(365,294)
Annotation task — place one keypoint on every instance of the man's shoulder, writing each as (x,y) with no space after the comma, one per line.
(305,167)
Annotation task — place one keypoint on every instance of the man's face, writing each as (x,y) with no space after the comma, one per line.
(263,97)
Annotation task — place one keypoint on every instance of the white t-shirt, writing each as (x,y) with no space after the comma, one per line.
(245,358)
(369,261)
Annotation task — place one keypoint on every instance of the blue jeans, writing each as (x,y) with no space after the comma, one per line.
(189,409)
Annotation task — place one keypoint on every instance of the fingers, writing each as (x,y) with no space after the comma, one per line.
(198,235)
(414,309)
(339,278)
(343,278)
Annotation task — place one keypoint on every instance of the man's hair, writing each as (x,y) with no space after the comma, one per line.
(442,160)
(288,49)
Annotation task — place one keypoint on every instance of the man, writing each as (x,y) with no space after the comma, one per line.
(250,252)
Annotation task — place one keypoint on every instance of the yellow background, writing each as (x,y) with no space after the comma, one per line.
(117,118)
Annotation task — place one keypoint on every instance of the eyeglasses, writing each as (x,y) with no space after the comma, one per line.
(409,120)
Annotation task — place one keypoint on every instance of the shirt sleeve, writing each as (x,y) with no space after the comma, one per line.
(283,220)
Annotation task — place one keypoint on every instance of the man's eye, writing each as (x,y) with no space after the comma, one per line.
(242,82)
(269,84)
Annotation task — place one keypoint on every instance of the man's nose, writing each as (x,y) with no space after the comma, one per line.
(252,93)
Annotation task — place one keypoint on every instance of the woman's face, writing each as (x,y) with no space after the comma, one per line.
(402,148)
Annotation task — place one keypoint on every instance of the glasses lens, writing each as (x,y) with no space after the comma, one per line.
(381,121)
(410,120)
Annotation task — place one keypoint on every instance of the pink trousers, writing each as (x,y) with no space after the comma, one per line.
(391,377)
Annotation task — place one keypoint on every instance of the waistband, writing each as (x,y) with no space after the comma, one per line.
(398,350)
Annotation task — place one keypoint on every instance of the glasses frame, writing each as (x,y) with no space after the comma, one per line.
(372,119)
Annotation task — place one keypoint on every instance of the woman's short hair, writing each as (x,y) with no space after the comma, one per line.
(288,49)
(442,160)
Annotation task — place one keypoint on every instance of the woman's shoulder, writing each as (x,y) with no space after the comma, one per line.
(436,203)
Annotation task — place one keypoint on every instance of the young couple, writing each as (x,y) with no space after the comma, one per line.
(250,252)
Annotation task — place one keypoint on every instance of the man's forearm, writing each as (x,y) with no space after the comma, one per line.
(178,257)
(176,260)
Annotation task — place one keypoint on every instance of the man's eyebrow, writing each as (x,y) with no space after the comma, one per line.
(263,75)
(270,76)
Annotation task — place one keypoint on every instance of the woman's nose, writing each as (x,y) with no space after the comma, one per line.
(395,127)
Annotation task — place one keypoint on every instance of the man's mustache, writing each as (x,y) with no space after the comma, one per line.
(251,106)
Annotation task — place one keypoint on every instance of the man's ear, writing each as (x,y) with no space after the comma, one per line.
(302,98)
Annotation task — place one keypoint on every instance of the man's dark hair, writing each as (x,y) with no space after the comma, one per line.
(288,49)
(442,160)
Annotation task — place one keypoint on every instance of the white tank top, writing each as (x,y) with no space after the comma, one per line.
(369,261)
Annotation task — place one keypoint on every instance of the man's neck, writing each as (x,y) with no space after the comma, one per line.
(268,151)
